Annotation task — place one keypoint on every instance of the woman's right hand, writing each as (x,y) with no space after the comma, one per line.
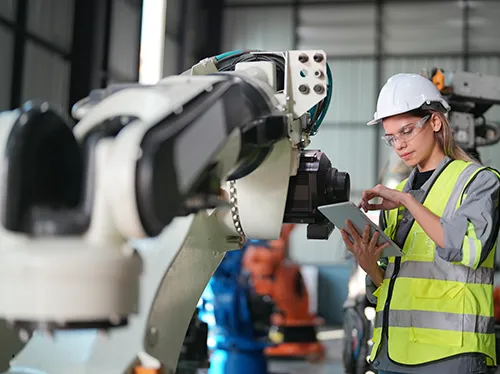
(364,248)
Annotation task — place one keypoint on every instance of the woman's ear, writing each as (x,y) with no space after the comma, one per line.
(436,123)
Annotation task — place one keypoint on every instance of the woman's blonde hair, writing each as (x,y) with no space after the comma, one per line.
(445,138)
(447,141)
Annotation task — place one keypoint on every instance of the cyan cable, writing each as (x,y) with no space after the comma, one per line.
(328,99)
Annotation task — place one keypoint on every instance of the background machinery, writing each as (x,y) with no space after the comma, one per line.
(238,317)
(194,357)
(470,96)
(273,275)
(186,161)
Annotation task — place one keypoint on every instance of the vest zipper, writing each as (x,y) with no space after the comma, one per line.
(392,282)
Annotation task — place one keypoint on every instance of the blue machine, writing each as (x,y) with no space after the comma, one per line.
(238,319)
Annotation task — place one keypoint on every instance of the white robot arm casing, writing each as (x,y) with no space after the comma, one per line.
(151,161)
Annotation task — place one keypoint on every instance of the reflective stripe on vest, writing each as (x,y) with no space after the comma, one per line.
(439,320)
(437,308)
(442,270)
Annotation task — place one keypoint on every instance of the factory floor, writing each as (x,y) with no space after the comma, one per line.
(332,364)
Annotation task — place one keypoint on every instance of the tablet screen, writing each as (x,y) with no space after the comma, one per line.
(340,212)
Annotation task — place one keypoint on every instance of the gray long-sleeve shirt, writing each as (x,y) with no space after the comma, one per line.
(480,207)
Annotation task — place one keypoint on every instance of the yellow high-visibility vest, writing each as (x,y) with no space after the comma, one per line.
(430,308)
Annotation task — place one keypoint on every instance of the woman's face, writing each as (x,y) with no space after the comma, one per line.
(412,137)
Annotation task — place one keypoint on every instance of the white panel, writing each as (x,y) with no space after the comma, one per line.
(412,27)
(354,91)
(392,66)
(338,30)
(349,149)
(124,44)
(52,20)
(258,28)
(170,57)
(8,8)
(7,43)
(484,26)
(46,77)
(491,66)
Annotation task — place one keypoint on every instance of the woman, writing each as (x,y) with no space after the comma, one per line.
(435,303)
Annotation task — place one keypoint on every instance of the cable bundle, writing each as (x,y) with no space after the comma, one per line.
(227,62)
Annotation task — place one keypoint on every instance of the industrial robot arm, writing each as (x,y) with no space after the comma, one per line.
(152,161)
(470,96)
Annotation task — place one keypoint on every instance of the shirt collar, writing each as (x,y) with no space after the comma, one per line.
(426,186)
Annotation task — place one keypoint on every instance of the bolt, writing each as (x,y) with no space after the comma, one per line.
(303,58)
(319,89)
(304,88)
(152,336)
(318,57)
(318,73)
(114,319)
(24,335)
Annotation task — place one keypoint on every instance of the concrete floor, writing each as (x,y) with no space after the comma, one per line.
(332,339)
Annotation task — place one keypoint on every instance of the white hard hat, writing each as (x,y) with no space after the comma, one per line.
(405,92)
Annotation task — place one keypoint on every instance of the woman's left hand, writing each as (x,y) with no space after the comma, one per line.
(391,199)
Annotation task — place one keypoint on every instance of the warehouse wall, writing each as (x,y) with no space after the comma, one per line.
(270,28)
(193,32)
(58,50)
(366,42)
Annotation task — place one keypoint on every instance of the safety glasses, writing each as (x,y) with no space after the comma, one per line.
(407,133)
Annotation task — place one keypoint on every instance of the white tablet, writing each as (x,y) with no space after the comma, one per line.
(340,212)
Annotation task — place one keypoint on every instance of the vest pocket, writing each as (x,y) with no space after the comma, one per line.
(437,313)
(419,247)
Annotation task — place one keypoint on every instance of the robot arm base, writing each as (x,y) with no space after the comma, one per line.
(67,284)
(177,266)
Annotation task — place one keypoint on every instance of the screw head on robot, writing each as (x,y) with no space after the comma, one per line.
(23,119)
(124,120)
(318,57)
(304,89)
(152,336)
(24,335)
(319,89)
